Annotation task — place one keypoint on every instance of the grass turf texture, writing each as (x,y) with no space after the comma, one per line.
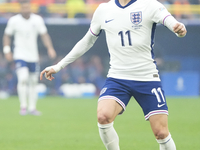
(72,124)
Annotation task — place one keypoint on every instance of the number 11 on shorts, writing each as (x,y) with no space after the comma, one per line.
(159,99)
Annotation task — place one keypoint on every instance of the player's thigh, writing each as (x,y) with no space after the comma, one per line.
(159,125)
(33,67)
(33,72)
(22,71)
(33,78)
(107,110)
(22,74)
(113,99)
(150,97)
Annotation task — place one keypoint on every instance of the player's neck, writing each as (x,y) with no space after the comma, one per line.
(124,2)
(26,16)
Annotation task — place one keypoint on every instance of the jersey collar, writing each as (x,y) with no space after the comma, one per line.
(119,5)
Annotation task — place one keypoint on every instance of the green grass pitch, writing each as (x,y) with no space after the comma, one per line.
(71,124)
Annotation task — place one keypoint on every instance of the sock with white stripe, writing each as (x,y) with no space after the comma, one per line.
(109,136)
(167,143)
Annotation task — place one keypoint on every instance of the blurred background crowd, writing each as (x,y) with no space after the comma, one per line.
(92,68)
(83,70)
(186,9)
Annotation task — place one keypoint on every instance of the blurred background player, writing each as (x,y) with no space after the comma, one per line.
(25,27)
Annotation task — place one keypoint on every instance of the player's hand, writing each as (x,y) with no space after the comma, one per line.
(52,53)
(9,57)
(48,73)
(180,29)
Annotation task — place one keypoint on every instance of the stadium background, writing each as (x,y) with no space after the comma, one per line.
(68,20)
(70,123)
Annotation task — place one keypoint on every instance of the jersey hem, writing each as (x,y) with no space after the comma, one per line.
(30,61)
(133,78)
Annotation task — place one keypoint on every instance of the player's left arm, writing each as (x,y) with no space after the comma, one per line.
(46,39)
(161,15)
(179,29)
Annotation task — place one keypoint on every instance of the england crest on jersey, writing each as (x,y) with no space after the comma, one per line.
(136,17)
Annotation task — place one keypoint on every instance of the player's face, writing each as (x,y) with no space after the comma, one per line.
(26,10)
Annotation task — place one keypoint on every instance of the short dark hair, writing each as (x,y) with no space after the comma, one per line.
(24,1)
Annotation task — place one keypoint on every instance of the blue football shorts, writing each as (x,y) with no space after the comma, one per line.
(148,94)
(33,67)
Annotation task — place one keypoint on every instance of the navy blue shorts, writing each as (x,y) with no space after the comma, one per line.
(33,67)
(148,94)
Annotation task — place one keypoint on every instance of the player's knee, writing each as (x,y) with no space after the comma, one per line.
(22,75)
(33,80)
(104,118)
(23,79)
(161,134)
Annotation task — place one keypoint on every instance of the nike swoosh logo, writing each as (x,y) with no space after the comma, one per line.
(161,105)
(106,21)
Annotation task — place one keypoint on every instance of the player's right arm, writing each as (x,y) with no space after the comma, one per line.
(9,30)
(79,49)
(6,47)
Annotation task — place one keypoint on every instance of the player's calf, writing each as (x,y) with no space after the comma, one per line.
(159,125)
(109,136)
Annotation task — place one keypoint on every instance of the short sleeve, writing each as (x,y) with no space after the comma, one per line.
(41,26)
(95,26)
(160,12)
(9,30)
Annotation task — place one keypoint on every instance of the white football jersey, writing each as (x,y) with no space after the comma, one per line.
(130,37)
(25,32)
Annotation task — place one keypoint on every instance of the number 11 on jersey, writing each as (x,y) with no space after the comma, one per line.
(127,35)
